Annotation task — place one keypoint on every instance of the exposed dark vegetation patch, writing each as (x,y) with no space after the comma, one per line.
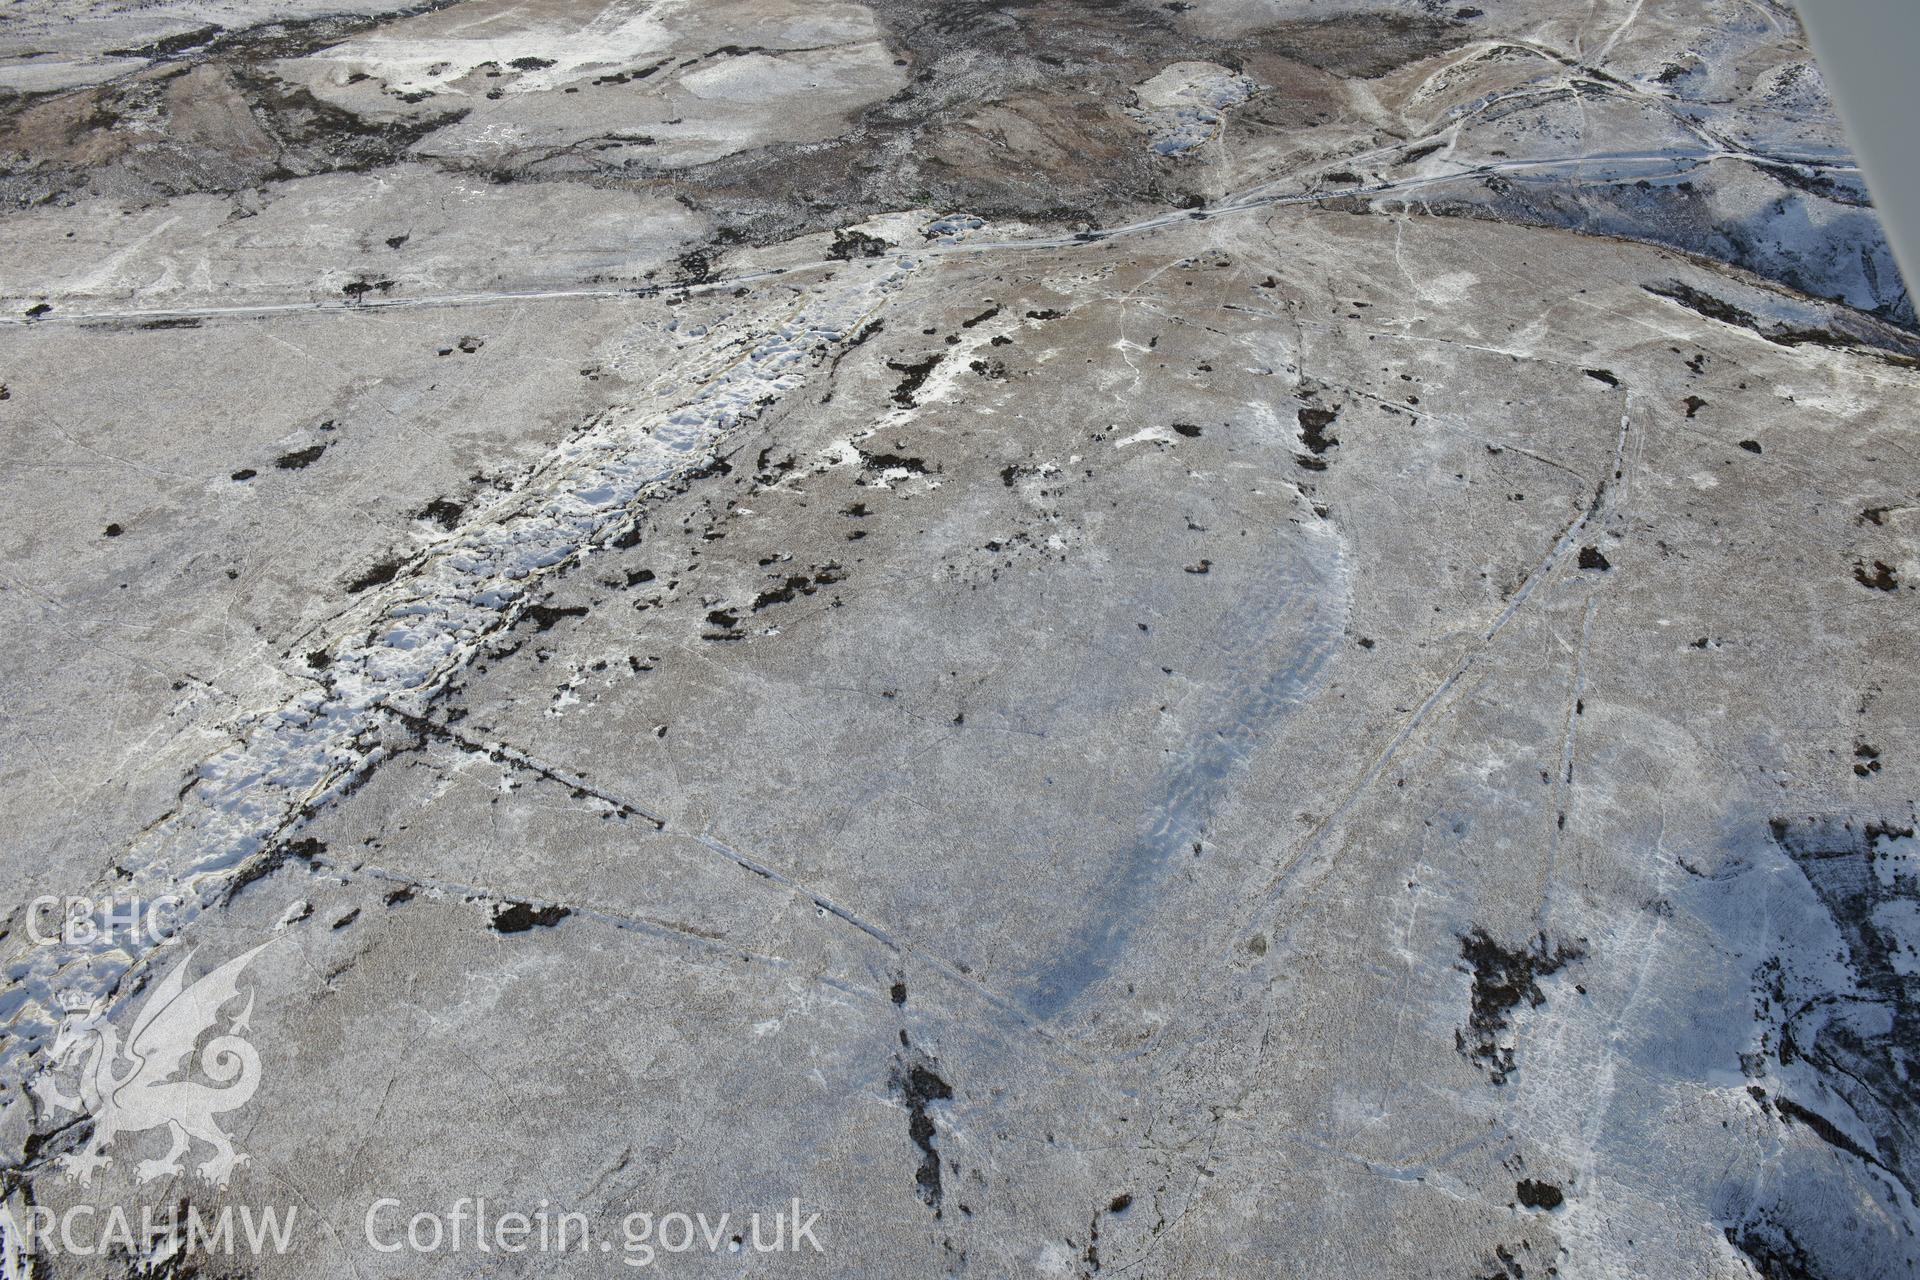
(1829,1132)
(1881,577)
(1503,977)
(299,459)
(915,376)
(543,616)
(766,471)
(1866,759)
(798,584)
(518,917)
(1314,422)
(1725,312)
(382,572)
(1590,558)
(442,512)
(1533,1194)
(167,46)
(1774,1252)
(1813,182)
(846,348)
(920,1086)
(1313,428)
(304,850)
(848,245)
(892,462)
(1503,1264)
(696,266)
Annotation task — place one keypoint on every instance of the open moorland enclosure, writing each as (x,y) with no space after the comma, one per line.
(1225,638)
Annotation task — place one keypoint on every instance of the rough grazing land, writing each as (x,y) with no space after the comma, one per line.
(1210,639)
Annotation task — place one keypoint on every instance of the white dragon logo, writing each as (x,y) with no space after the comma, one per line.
(159,1046)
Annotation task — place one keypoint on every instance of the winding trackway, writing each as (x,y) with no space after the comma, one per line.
(1654,163)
